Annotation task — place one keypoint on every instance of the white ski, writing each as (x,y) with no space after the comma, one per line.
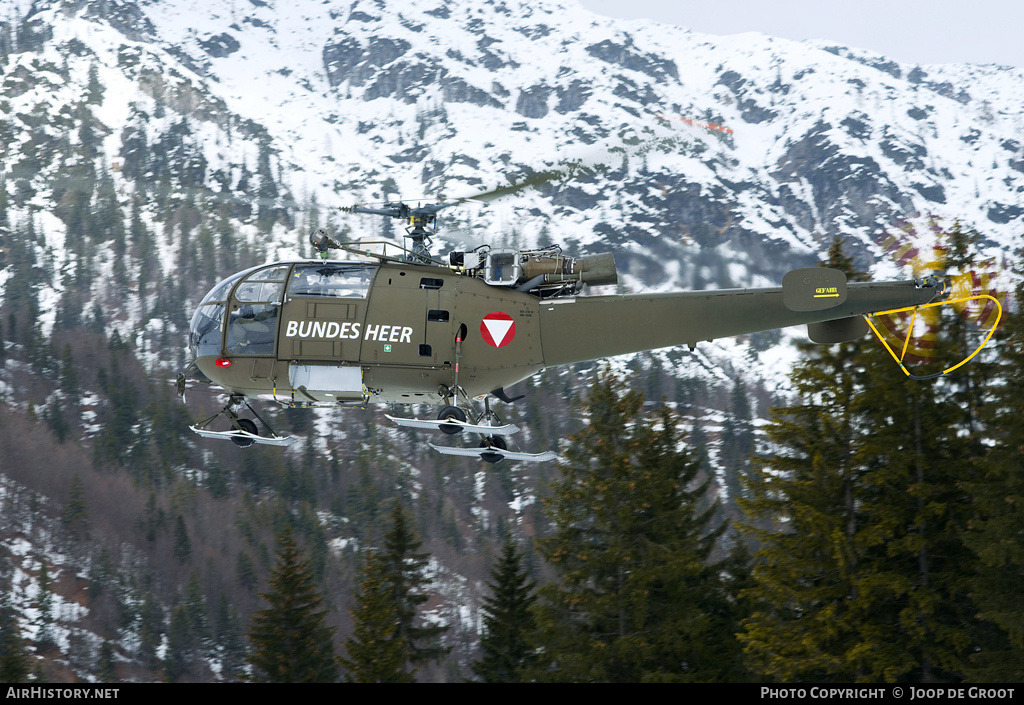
(506,454)
(235,433)
(506,430)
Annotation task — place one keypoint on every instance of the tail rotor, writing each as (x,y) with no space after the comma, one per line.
(976,291)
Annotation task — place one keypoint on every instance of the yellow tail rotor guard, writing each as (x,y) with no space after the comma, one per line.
(915,309)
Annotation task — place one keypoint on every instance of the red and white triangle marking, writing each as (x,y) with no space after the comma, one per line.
(498,329)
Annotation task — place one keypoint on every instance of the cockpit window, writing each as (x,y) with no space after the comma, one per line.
(221,291)
(335,280)
(263,285)
(204,331)
(270,274)
(259,291)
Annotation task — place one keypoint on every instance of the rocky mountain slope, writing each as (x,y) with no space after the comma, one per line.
(149,148)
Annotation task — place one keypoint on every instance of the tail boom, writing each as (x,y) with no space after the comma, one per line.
(589,328)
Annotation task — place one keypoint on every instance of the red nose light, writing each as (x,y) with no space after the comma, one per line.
(223,362)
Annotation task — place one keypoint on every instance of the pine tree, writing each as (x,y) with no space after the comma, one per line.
(290,638)
(179,645)
(182,544)
(994,532)
(405,574)
(106,667)
(151,630)
(802,507)
(229,638)
(376,651)
(44,605)
(508,619)
(859,572)
(913,459)
(637,597)
(14,659)
(76,512)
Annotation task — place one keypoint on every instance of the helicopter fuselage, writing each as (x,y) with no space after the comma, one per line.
(375,332)
(333,333)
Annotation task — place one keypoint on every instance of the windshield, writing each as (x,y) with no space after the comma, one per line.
(251,329)
(220,292)
(204,331)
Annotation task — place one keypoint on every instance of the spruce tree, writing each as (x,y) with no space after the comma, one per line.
(106,666)
(290,638)
(376,651)
(245,571)
(53,414)
(76,513)
(737,442)
(188,635)
(182,544)
(44,605)
(801,506)
(68,375)
(637,597)
(179,645)
(14,659)
(151,630)
(924,437)
(914,459)
(196,609)
(995,530)
(508,619)
(859,571)
(405,575)
(229,638)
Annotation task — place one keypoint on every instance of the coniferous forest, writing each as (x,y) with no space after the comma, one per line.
(876,539)
(870,530)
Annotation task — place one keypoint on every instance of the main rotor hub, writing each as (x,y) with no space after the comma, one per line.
(420,219)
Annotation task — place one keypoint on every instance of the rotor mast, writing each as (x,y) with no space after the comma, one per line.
(420,219)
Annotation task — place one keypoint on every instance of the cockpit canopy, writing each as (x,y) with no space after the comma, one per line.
(239,316)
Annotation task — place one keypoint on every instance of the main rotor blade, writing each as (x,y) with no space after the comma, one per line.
(534,180)
(598,157)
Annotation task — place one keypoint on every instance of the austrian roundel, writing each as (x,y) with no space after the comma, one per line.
(498,329)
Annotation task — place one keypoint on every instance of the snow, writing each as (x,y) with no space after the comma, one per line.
(957,127)
(957,124)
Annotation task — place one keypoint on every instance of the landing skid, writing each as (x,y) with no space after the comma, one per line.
(245,435)
(243,432)
(494,454)
(504,430)
(453,420)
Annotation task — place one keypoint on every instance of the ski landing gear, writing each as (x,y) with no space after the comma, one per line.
(243,432)
(493,448)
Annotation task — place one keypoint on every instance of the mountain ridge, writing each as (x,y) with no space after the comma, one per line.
(149,149)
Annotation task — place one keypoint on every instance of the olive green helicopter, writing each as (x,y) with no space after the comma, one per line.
(394,324)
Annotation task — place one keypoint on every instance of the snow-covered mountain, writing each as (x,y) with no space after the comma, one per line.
(221,132)
(743,155)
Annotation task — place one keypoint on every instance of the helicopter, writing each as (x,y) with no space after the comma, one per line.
(398,325)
